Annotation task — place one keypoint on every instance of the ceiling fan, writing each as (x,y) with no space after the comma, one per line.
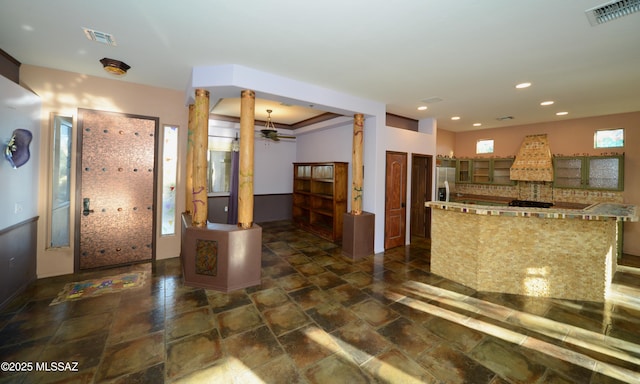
(270,132)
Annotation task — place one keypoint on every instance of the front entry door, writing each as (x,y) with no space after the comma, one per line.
(116,178)
(395,200)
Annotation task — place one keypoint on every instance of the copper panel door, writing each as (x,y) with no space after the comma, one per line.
(116,180)
(395,200)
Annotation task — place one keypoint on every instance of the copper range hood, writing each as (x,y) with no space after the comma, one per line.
(534,161)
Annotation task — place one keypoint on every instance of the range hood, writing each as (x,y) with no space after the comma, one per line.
(534,161)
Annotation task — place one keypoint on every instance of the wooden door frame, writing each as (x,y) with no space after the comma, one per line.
(428,192)
(78,181)
(404,188)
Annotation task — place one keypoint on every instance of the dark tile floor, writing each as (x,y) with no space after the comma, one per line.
(320,318)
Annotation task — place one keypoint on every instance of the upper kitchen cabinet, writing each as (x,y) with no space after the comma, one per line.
(463,171)
(480,171)
(501,170)
(589,172)
(491,171)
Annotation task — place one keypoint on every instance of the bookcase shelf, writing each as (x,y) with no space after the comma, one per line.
(320,197)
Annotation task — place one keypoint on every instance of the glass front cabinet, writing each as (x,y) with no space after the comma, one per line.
(589,172)
(485,171)
(463,171)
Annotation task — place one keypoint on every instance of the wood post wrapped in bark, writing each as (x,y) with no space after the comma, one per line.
(200,148)
(245,179)
(358,171)
(189,177)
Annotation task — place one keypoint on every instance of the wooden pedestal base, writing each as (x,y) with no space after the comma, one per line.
(220,257)
(358,235)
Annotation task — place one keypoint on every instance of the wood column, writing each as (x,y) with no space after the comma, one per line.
(189,178)
(245,179)
(356,157)
(200,147)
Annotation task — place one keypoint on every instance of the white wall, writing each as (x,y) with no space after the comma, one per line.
(19,192)
(273,167)
(273,160)
(328,145)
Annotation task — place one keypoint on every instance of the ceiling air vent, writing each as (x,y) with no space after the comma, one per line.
(100,37)
(432,100)
(611,11)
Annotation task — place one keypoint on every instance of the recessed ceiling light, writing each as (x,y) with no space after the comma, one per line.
(549,102)
(455,118)
(562,113)
(422,108)
(477,124)
(523,85)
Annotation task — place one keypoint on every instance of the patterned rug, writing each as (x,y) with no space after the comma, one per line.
(92,288)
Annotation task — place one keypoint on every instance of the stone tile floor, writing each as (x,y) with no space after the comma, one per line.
(319,317)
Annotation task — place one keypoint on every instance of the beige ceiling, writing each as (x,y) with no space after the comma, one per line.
(468,53)
(281,113)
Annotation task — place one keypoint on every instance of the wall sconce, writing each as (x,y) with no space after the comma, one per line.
(114,67)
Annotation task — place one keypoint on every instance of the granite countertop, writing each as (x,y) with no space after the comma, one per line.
(598,211)
(501,200)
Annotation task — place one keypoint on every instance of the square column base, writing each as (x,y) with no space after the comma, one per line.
(358,234)
(221,257)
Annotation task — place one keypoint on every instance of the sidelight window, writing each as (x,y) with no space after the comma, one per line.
(169,179)
(62,127)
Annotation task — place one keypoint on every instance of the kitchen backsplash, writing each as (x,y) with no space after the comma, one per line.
(540,191)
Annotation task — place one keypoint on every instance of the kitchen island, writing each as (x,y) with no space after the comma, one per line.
(547,252)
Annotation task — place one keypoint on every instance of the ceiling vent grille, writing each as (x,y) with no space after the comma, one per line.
(100,37)
(432,100)
(611,11)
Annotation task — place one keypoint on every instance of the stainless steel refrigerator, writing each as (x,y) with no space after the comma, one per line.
(446,182)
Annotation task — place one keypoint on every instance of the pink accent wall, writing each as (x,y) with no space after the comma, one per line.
(445,143)
(567,137)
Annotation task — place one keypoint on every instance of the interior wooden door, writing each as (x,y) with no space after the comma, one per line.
(395,200)
(116,179)
(421,175)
